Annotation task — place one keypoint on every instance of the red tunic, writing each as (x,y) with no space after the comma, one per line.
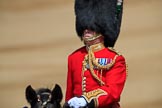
(83,84)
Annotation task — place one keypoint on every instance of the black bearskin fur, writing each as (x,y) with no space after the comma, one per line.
(100,16)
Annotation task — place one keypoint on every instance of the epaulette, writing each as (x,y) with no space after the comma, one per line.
(118,53)
(114,50)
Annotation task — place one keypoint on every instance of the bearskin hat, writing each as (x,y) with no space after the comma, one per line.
(101,16)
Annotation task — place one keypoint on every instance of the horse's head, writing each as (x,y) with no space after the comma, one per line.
(44,97)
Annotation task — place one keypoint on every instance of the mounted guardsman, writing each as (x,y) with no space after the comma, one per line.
(96,72)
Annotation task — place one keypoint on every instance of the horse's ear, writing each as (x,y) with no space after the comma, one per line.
(57,94)
(31,95)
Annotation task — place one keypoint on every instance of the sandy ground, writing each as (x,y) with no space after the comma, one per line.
(35,43)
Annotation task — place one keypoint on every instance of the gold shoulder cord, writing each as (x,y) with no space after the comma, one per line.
(92,62)
(91,69)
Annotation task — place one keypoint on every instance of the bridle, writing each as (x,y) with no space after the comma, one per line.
(43,104)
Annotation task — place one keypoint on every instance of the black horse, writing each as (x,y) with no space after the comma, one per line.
(44,97)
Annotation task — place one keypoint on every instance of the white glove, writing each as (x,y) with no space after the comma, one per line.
(76,102)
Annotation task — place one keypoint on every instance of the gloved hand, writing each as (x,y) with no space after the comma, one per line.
(77,102)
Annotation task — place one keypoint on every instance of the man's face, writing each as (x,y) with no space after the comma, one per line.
(91,37)
(88,34)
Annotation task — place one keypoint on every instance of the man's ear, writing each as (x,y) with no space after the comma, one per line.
(31,95)
(57,94)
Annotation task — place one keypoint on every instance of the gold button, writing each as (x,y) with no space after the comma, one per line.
(84,89)
(84,82)
(84,78)
(84,85)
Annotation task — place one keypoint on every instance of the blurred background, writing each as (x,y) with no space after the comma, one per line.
(36,37)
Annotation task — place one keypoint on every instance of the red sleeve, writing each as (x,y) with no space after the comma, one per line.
(69,86)
(115,80)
